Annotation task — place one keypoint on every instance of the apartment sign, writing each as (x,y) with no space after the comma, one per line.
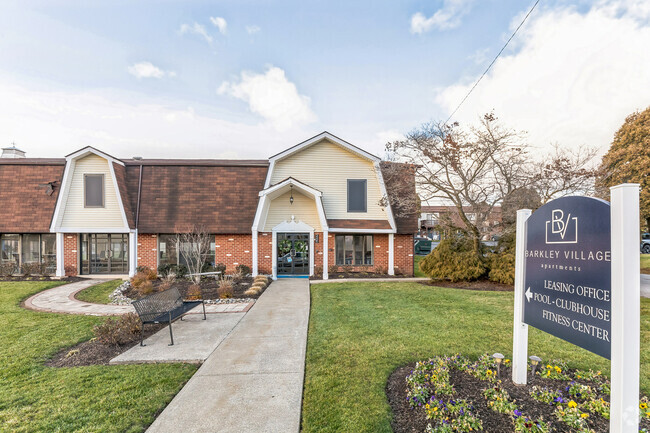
(567,285)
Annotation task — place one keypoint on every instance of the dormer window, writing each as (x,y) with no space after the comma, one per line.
(357,195)
(94,190)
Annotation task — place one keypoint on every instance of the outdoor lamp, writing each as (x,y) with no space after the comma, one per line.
(534,360)
(291,197)
(498,357)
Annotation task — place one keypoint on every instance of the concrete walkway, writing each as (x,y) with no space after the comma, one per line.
(61,300)
(253,380)
(645,285)
(372,280)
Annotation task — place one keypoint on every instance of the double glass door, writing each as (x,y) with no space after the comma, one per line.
(105,253)
(293,253)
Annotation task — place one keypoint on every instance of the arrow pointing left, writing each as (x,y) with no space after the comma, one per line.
(529,294)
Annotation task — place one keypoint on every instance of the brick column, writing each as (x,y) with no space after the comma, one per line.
(148,250)
(71,254)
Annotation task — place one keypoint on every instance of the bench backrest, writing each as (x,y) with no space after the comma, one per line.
(152,306)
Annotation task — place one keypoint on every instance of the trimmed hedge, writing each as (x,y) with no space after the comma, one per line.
(454,260)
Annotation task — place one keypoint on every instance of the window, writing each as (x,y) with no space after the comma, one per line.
(170,254)
(353,250)
(357,195)
(29,248)
(94,190)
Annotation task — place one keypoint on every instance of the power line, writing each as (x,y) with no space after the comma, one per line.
(495,59)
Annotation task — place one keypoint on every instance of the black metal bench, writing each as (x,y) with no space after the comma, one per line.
(162,307)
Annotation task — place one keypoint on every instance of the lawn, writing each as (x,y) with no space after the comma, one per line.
(82,399)
(645,263)
(99,294)
(418,272)
(360,332)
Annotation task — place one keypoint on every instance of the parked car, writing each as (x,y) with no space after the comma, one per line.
(422,246)
(645,243)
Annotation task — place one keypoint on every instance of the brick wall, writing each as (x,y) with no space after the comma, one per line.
(318,250)
(71,254)
(404,254)
(148,250)
(265,253)
(232,250)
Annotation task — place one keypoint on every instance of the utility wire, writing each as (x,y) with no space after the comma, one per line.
(495,59)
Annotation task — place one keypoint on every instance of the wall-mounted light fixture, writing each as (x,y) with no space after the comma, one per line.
(291,197)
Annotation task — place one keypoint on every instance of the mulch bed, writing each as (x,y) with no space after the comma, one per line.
(93,352)
(208,288)
(408,420)
(480,285)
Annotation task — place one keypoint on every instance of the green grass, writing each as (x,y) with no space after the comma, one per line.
(418,272)
(645,263)
(99,294)
(360,332)
(36,398)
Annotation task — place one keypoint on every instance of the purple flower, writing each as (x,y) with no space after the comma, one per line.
(517,413)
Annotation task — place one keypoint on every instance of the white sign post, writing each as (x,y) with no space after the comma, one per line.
(520,330)
(626,305)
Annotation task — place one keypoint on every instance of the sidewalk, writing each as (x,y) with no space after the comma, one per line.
(61,300)
(253,380)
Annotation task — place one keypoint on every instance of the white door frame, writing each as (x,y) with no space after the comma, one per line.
(292,227)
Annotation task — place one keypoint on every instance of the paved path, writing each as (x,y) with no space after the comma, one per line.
(61,300)
(645,285)
(372,280)
(253,380)
(194,339)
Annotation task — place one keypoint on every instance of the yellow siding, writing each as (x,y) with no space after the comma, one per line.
(303,209)
(327,167)
(75,214)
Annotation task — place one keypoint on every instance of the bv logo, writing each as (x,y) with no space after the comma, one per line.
(561,230)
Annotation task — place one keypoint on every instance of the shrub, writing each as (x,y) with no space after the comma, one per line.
(194,292)
(179,270)
(502,268)
(453,260)
(264,271)
(243,269)
(148,272)
(318,271)
(381,270)
(332,269)
(220,267)
(7,269)
(115,332)
(28,269)
(262,278)
(45,269)
(70,270)
(164,269)
(165,285)
(259,284)
(252,292)
(225,289)
(141,284)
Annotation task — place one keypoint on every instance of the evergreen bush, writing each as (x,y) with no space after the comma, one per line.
(454,260)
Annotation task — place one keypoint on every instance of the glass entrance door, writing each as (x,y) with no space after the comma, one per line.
(293,253)
(105,253)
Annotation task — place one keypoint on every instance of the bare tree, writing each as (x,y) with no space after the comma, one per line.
(193,243)
(402,197)
(473,169)
(565,172)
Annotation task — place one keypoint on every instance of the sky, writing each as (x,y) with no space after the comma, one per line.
(247,79)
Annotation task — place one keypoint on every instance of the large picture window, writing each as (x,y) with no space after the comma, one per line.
(353,250)
(94,190)
(170,253)
(29,248)
(357,195)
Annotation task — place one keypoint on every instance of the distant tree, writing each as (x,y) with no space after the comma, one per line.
(628,160)
(193,243)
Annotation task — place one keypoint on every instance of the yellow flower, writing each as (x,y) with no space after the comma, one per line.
(643,406)
(572,404)
(647,414)
(584,415)
(489,372)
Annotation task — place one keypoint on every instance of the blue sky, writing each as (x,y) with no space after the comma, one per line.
(247,79)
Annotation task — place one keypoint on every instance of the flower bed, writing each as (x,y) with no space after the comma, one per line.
(455,394)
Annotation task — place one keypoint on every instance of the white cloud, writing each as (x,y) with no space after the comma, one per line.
(272,96)
(447,17)
(148,70)
(220,23)
(55,123)
(196,29)
(480,56)
(251,30)
(573,78)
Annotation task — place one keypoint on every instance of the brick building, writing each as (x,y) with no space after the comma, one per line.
(309,209)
